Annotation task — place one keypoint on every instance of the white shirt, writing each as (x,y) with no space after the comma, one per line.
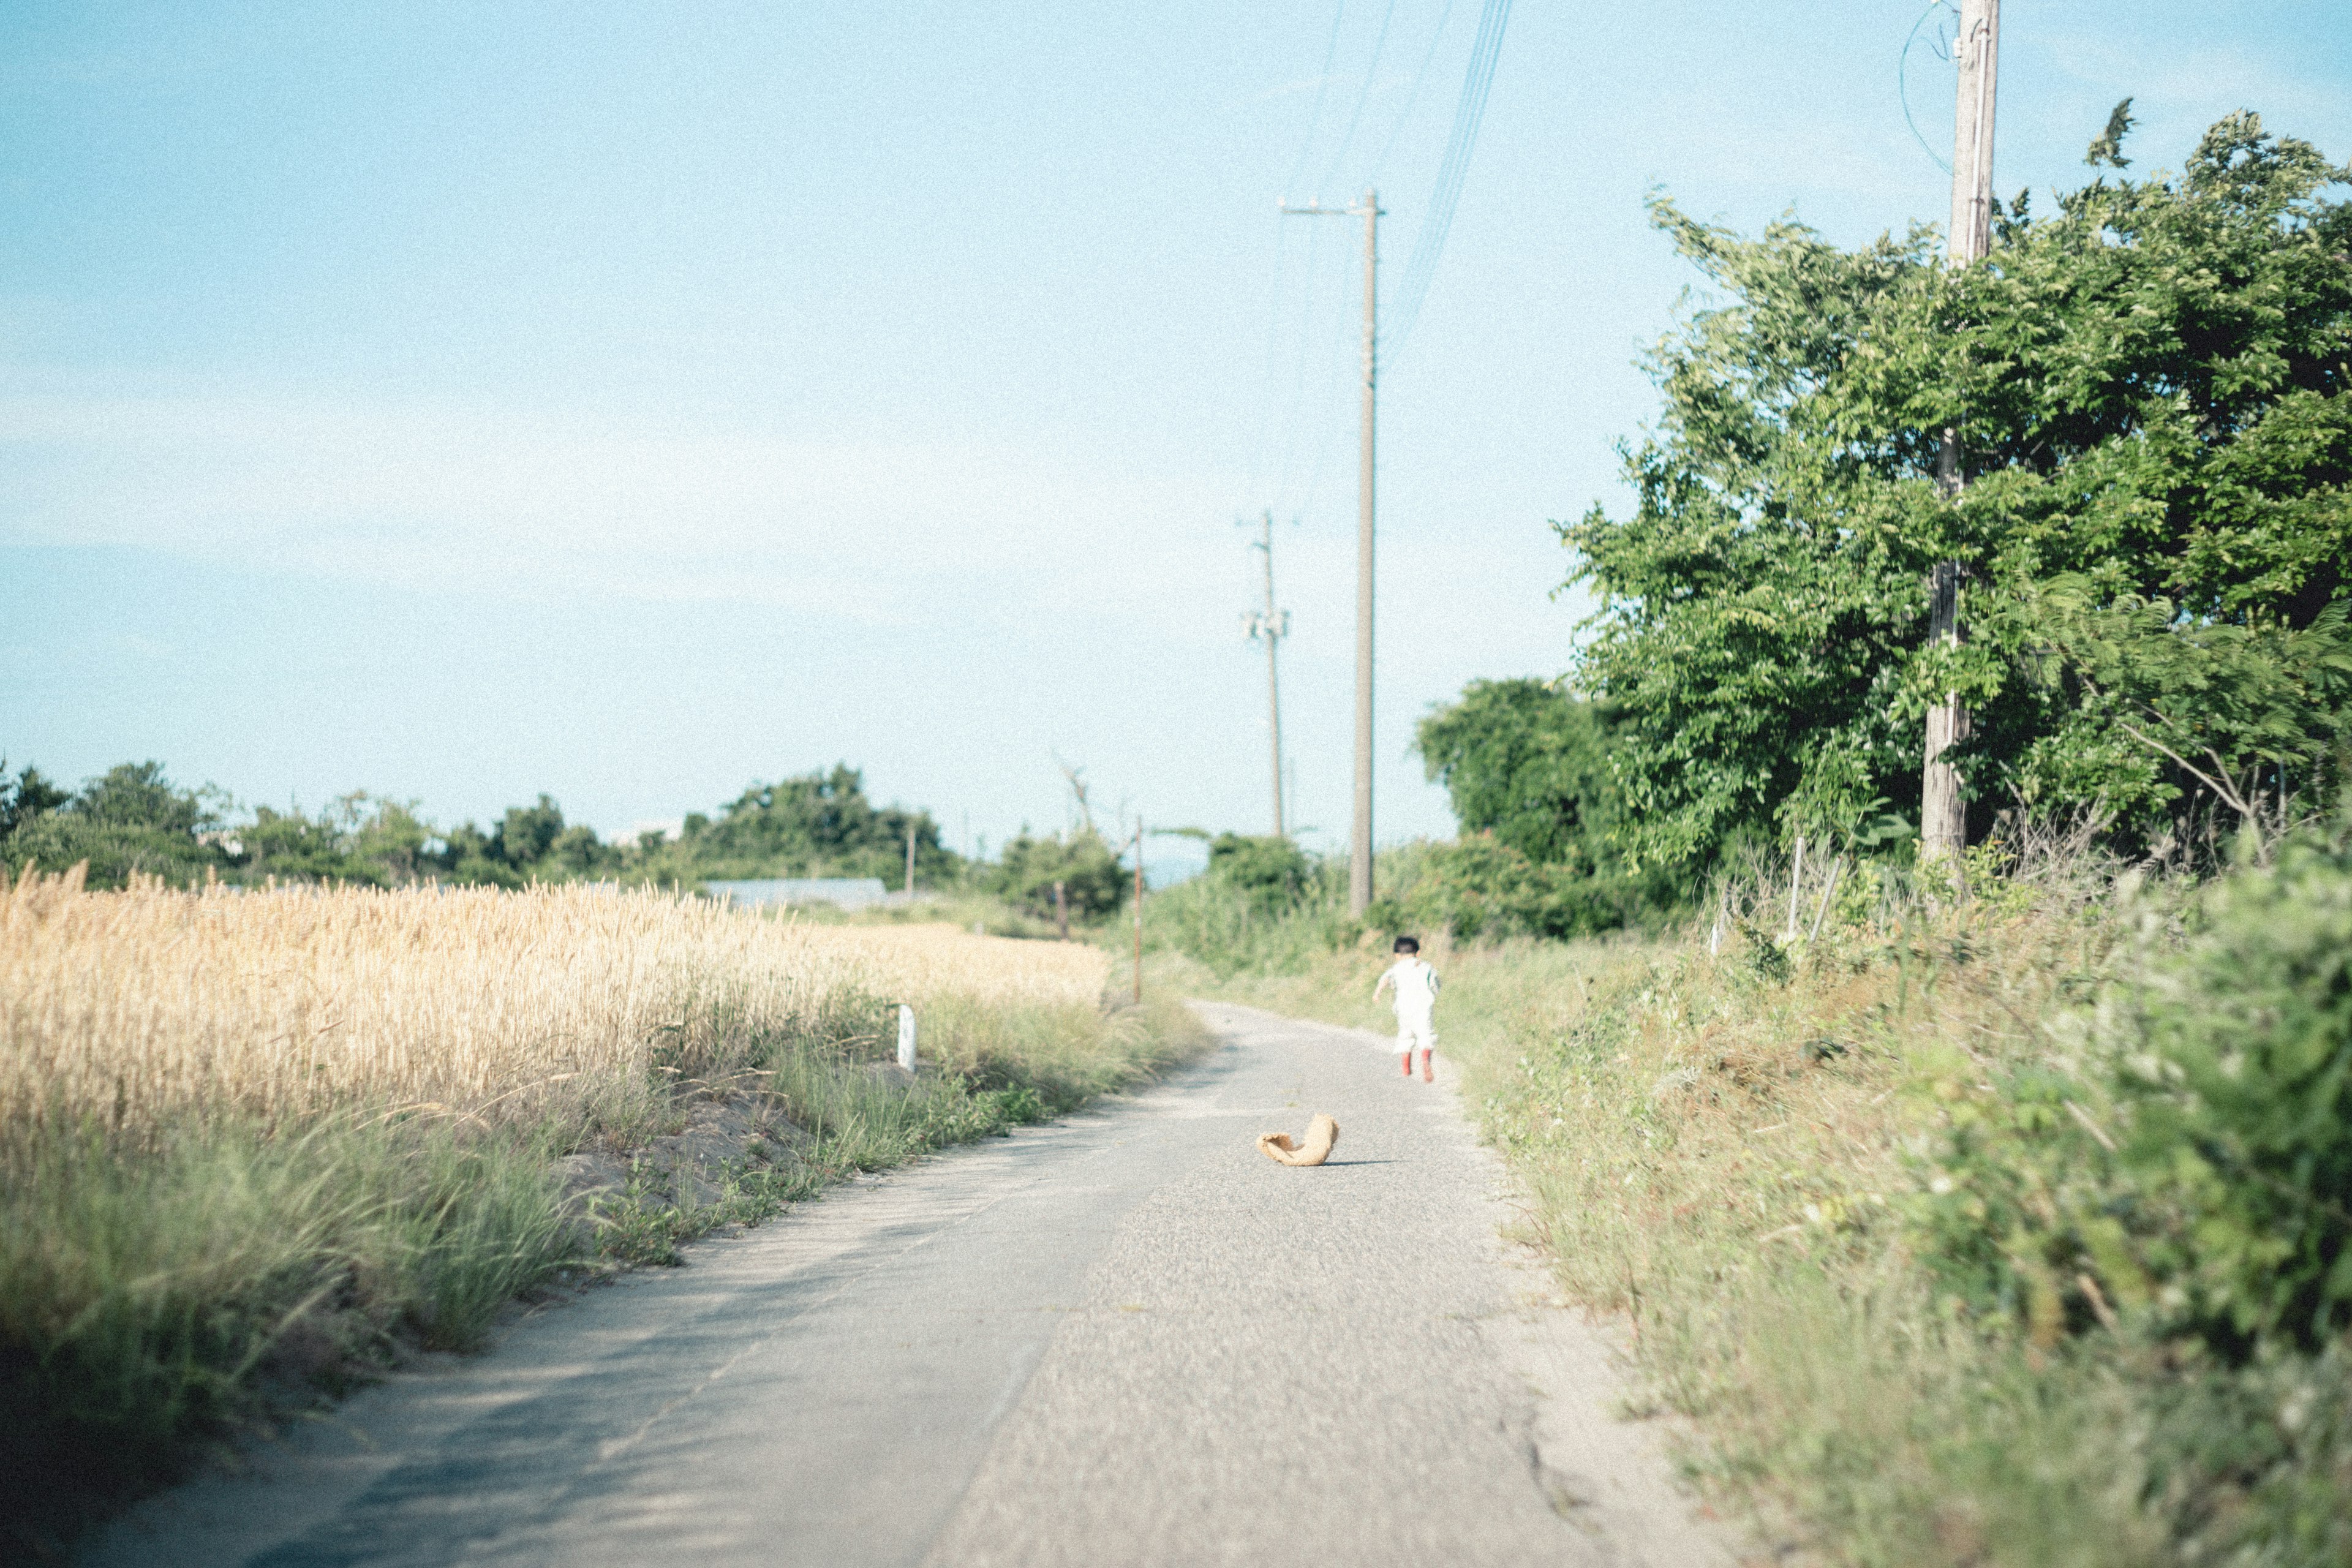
(1416,986)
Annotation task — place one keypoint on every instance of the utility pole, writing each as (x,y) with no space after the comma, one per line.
(1943,809)
(1139,909)
(1360,833)
(911,860)
(1273,625)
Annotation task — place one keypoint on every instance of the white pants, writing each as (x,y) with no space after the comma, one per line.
(1415,1030)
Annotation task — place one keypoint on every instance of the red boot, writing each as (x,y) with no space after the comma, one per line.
(1406,1057)
(1426,1075)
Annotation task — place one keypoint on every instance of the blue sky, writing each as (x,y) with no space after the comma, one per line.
(629,402)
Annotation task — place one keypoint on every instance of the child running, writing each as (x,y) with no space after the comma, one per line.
(1416,998)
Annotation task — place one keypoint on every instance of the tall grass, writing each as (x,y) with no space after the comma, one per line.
(140,1006)
(252,1142)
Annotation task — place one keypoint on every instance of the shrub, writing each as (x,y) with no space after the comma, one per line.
(2243,1050)
(1271,874)
(1479,887)
(1087,868)
(2191,1165)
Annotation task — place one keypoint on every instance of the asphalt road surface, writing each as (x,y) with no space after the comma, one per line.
(1125,1339)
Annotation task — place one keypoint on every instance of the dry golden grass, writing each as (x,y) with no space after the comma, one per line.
(142,1005)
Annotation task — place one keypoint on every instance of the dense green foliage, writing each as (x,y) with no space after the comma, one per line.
(1272,874)
(1544,823)
(1079,862)
(1528,763)
(145,1293)
(817,825)
(129,819)
(357,838)
(1265,907)
(2149,387)
(24,797)
(2192,1167)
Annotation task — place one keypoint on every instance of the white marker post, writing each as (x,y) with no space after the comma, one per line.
(905,1037)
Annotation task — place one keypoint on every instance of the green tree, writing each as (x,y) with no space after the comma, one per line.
(1529,771)
(288,843)
(2150,388)
(1271,874)
(468,857)
(815,825)
(26,797)
(577,852)
(1087,868)
(359,837)
(130,819)
(527,832)
(389,836)
(1528,763)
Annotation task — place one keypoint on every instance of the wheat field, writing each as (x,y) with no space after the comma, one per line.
(142,1005)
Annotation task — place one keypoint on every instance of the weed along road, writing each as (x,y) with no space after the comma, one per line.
(1126,1338)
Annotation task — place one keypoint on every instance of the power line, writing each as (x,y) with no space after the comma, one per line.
(1903,88)
(1322,86)
(1412,98)
(1298,167)
(1278,298)
(1469,115)
(1327,389)
(1363,94)
(1469,112)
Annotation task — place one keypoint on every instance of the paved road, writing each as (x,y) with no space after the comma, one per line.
(1125,1339)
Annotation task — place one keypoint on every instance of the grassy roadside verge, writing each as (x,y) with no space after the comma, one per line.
(2002,1234)
(255,1148)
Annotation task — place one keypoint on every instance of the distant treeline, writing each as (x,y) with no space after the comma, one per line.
(135,820)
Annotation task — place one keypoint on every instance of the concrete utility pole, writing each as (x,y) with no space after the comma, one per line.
(1943,809)
(1273,625)
(1359,835)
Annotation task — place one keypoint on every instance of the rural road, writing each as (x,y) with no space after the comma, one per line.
(1125,1339)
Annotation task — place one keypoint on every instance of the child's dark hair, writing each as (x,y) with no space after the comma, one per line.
(1408,944)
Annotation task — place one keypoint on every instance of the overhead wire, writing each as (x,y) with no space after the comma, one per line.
(1278,305)
(1327,363)
(1903,87)
(1438,221)
(1315,116)
(1413,98)
(1363,94)
(1334,365)
(1429,243)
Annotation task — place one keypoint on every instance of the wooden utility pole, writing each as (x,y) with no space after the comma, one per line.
(1139,910)
(1273,625)
(1360,833)
(1943,809)
(911,862)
